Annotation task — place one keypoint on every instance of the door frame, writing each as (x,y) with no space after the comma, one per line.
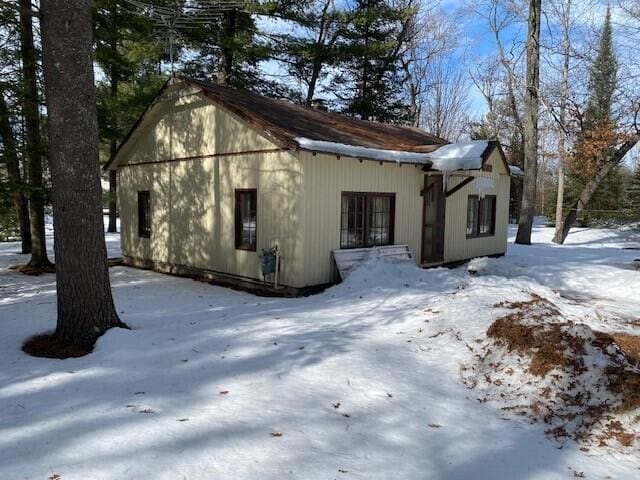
(441,213)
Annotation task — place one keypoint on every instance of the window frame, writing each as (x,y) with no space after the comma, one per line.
(239,244)
(478,212)
(365,223)
(144,231)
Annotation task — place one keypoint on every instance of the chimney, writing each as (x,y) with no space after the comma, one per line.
(318,104)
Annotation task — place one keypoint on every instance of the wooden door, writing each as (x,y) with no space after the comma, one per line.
(433,220)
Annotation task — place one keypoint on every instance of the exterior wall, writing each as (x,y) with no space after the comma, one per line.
(193,201)
(456,245)
(325,178)
(192,155)
(184,123)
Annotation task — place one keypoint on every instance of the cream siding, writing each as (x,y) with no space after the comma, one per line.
(193,201)
(325,178)
(184,123)
(298,193)
(456,245)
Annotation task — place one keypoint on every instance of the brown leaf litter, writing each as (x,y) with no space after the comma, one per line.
(585,383)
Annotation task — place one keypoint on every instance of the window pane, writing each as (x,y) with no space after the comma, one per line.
(246,227)
(351,234)
(144,214)
(378,220)
(472,215)
(487,221)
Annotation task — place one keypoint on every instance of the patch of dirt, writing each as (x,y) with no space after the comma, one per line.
(584,384)
(47,346)
(629,344)
(34,270)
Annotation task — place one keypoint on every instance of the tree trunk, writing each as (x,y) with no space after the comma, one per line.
(527,207)
(85,304)
(16,187)
(39,257)
(226,60)
(564,93)
(589,189)
(114,74)
(113,206)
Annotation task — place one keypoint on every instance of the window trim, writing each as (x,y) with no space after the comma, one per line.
(142,231)
(238,220)
(365,226)
(476,228)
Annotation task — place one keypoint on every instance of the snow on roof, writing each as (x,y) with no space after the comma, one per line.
(516,171)
(365,152)
(465,155)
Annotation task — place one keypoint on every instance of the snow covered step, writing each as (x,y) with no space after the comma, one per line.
(348,258)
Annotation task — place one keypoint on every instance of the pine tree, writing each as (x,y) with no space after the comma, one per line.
(34,149)
(313,46)
(596,154)
(602,80)
(127,55)
(373,42)
(229,51)
(84,302)
(632,194)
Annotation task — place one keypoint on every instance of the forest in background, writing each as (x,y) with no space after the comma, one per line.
(456,70)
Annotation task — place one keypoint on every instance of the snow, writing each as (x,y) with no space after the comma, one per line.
(466,155)
(363,152)
(483,185)
(363,380)
(516,171)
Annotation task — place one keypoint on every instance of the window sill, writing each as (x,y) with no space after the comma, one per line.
(482,235)
(246,248)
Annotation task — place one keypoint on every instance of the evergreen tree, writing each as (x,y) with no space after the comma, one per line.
(632,194)
(602,79)
(313,46)
(230,50)
(84,303)
(596,154)
(34,145)
(372,42)
(128,58)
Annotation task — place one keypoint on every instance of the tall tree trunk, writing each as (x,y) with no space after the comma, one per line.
(226,60)
(39,257)
(85,304)
(527,208)
(16,186)
(318,61)
(113,205)
(589,189)
(114,74)
(564,93)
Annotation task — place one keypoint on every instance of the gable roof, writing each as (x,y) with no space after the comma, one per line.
(293,126)
(287,121)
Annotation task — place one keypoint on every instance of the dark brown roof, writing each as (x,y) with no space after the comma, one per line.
(285,121)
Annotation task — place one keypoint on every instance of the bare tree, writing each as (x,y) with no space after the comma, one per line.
(446,102)
(432,42)
(85,304)
(527,208)
(504,93)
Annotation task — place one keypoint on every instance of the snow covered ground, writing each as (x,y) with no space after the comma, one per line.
(362,381)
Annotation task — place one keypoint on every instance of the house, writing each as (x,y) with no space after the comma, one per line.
(209,177)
